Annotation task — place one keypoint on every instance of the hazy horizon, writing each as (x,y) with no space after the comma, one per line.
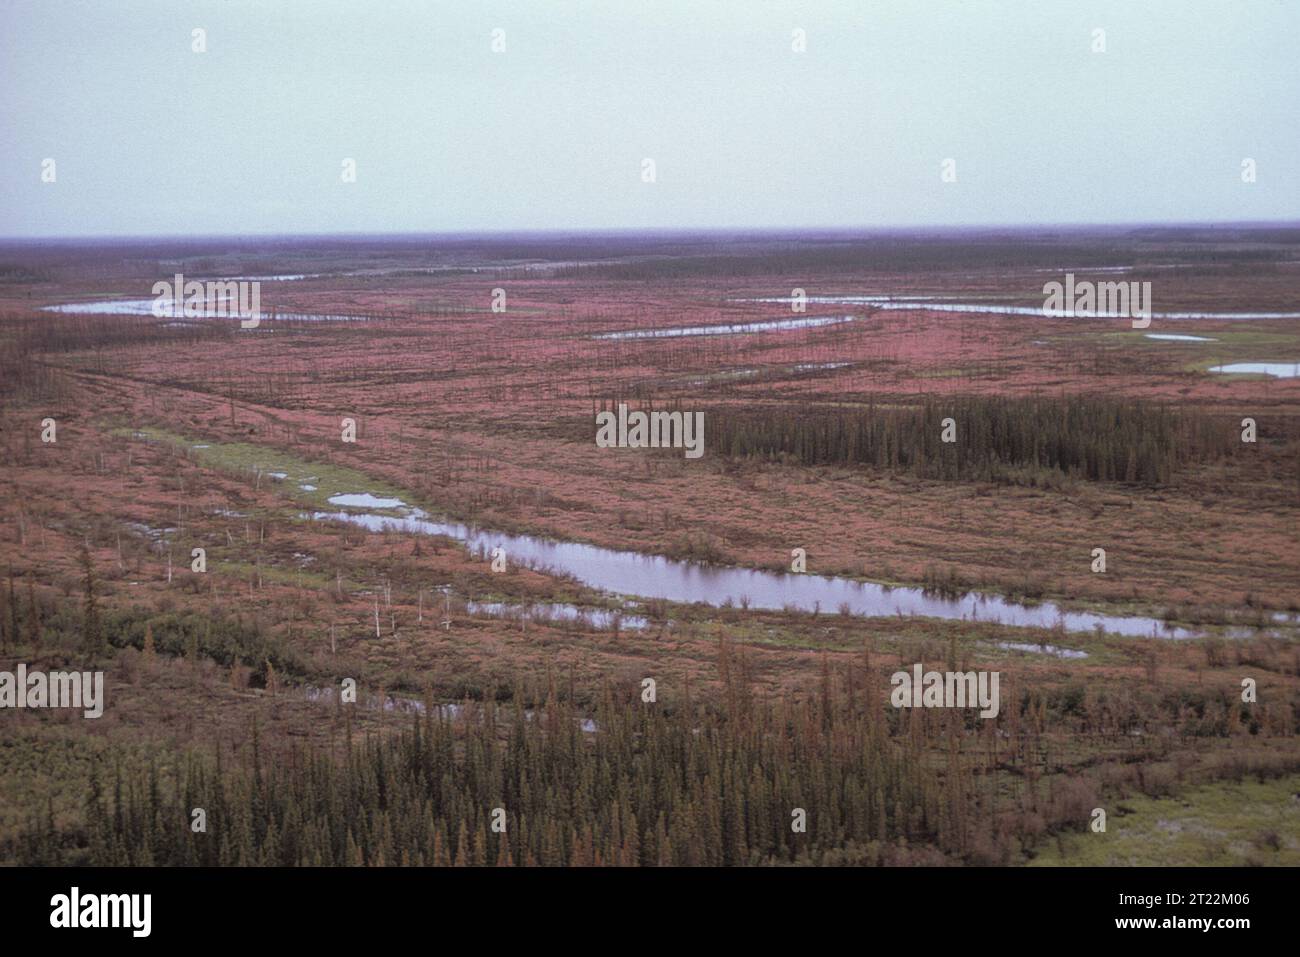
(549,136)
(666,232)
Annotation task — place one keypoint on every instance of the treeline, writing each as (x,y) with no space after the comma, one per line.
(993,438)
(48,333)
(831,779)
(20,273)
(521,777)
(916,251)
(653,787)
(88,632)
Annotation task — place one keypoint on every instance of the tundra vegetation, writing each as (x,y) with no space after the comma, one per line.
(224,686)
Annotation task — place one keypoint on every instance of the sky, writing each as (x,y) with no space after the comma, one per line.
(448,134)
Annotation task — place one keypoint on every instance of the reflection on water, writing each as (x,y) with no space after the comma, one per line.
(170,309)
(365,500)
(732,329)
(653,576)
(1052,650)
(1283,370)
(599,618)
(929,304)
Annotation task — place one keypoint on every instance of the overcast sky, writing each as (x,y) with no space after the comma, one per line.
(150,137)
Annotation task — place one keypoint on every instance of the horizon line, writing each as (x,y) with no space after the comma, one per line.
(667,231)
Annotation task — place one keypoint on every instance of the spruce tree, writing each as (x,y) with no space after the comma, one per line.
(34,626)
(91,628)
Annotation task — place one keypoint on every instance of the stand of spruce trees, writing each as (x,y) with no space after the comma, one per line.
(1018,439)
(652,786)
